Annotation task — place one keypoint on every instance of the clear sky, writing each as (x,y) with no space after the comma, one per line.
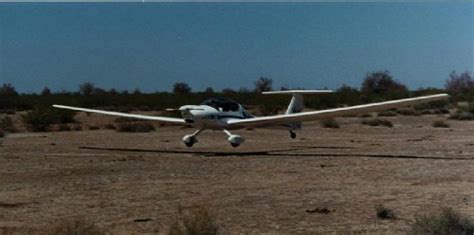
(153,45)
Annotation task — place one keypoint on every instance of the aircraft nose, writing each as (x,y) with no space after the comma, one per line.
(186,114)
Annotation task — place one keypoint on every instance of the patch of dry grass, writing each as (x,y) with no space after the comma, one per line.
(447,222)
(440,124)
(76,227)
(329,123)
(135,127)
(383,212)
(195,220)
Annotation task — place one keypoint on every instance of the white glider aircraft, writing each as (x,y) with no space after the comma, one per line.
(225,114)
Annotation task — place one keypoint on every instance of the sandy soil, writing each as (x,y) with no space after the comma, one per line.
(268,185)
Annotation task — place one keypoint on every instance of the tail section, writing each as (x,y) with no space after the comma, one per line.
(297,103)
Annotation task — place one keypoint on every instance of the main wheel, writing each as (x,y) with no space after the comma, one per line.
(234,145)
(292,135)
(189,144)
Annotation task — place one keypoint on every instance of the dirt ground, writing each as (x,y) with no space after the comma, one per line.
(134,183)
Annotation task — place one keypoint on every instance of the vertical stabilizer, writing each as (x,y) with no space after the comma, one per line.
(296,104)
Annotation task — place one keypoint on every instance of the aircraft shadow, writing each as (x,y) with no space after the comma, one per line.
(277,153)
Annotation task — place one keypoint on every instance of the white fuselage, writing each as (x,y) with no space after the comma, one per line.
(207,117)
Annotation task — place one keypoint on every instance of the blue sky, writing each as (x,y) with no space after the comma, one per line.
(153,45)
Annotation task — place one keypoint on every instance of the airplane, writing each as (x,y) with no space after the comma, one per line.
(225,114)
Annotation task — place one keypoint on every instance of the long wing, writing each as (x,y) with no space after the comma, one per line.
(331,113)
(170,120)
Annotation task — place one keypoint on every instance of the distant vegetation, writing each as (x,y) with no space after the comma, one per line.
(376,86)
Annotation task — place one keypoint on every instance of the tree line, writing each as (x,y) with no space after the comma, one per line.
(376,86)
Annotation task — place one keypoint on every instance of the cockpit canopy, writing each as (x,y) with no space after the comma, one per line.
(222,104)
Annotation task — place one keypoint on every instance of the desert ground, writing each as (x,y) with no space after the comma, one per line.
(134,183)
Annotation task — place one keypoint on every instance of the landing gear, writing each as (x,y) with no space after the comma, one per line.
(235,145)
(292,135)
(234,140)
(190,140)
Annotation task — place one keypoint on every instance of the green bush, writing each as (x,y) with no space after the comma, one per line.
(329,123)
(448,222)
(377,122)
(135,127)
(196,220)
(40,118)
(441,124)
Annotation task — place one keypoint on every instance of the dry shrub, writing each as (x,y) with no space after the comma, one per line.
(366,115)
(462,116)
(135,127)
(388,113)
(447,222)
(7,125)
(329,123)
(110,126)
(40,118)
(435,111)
(64,127)
(77,127)
(378,122)
(440,124)
(195,220)
(76,227)
(408,112)
(383,212)
(123,119)
(94,127)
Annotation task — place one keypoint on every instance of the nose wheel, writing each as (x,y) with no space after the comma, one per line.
(292,135)
(190,140)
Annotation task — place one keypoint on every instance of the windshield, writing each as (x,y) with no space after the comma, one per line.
(222,104)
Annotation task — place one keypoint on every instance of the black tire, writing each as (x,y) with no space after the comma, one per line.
(189,144)
(292,135)
(235,145)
